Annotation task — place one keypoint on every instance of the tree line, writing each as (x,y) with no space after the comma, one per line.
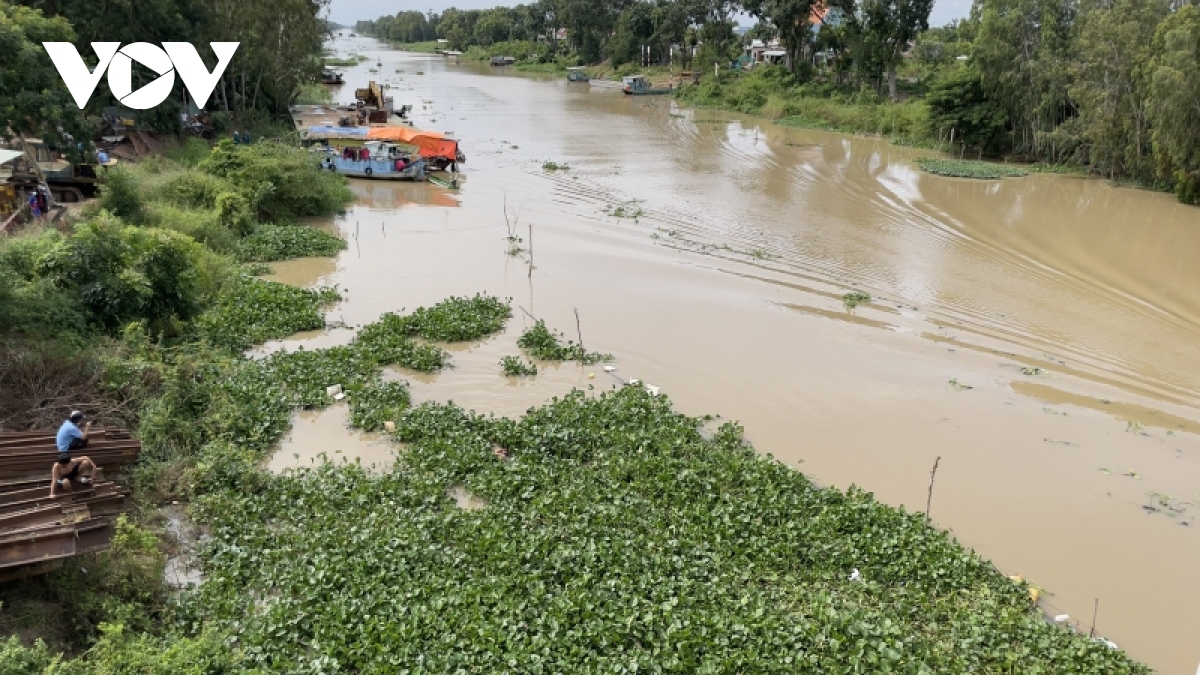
(280,40)
(1109,85)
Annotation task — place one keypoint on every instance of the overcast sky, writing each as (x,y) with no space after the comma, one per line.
(348,11)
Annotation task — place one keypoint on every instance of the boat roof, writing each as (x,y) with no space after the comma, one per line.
(9,155)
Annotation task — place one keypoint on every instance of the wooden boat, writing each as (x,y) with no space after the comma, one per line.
(383,163)
(637,85)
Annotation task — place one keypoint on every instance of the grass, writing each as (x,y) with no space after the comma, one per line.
(549,165)
(969,168)
(313,94)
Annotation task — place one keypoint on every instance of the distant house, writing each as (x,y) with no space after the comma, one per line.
(561,35)
(760,52)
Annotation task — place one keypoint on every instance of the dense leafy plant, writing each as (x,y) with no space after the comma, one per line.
(376,403)
(969,168)
(253,311)
(854,299)
(617,536)
(542,343)
(122,273)
(282,182)
(515,366)
(269,243)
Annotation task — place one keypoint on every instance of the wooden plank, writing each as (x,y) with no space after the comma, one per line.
(45,544)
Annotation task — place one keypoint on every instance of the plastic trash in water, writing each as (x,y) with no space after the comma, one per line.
(1062,618)
(635,381)
(652,389)
(339,396)
(855,575)
(609,369)
(389,425)
(333,390)
(591,376)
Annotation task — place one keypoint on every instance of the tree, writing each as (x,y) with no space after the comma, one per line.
(888,26)
(1109,86)
(960,108)
(1024,51)
(33,99)
(791,18)
(1174,105)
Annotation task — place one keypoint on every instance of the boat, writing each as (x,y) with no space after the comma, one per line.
(377,160)
(330,76)
(636,85)
(502,60)
(577,74)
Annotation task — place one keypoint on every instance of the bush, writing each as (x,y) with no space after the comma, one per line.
(120,194)
(122,273)
(281,183)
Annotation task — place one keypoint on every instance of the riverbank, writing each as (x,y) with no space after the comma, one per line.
(689,547)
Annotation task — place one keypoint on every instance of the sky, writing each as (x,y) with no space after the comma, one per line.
(348,11)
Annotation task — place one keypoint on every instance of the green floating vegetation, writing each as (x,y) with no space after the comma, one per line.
(252,311)
(270,243)
(619,538)
(541,343)
(550,165)
(969,168)
(515,366)
(854,299)
(376,403)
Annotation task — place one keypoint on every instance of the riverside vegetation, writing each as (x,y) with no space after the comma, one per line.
(1102,87)
(619,534)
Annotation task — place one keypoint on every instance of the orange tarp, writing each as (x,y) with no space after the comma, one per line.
(429,143)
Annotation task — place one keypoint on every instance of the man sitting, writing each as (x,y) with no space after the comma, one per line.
(66,470)
(70,436)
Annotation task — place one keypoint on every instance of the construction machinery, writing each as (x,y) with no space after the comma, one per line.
(40,165)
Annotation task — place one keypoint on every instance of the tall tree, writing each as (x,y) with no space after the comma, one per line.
(1174,105)
(792,19)
(1024,51)
(888,26)
(33,99)
(1113,47)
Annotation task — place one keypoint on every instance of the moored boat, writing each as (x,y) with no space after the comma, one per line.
(577,74)
(376,160)
(637,85)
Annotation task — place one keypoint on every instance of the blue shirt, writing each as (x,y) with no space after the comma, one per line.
(66,433)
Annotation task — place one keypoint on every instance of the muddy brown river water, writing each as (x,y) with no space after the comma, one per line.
(1039,335)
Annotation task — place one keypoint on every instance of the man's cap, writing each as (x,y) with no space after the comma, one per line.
(76,416)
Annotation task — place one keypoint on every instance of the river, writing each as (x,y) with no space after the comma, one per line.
(1037,334)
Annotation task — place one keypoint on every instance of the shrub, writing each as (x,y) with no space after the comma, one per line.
(120,194)
(122,273)
(281,183)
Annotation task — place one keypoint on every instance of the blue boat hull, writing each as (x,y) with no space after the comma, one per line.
(375,169)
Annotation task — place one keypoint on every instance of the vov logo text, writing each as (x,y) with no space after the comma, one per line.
(172,57)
